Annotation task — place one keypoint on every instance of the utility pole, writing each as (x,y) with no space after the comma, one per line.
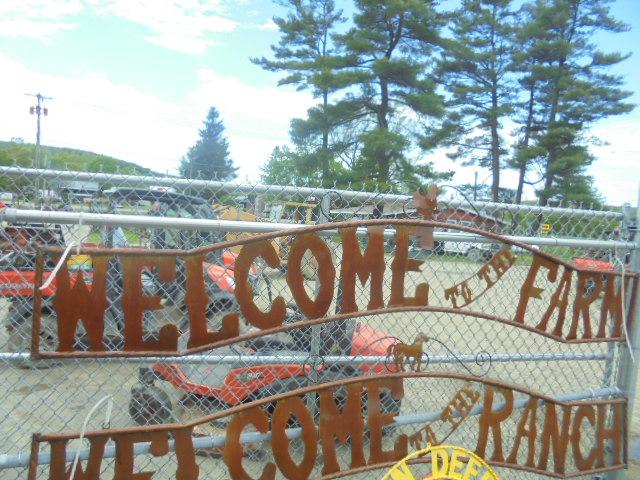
(39,109)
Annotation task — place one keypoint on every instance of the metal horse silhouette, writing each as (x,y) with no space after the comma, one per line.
(402,351)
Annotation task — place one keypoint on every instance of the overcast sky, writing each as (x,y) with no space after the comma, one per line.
(134,78)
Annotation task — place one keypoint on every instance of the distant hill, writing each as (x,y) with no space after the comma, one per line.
(22,154)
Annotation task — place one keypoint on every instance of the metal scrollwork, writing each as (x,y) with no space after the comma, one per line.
(399,354)
(402,352)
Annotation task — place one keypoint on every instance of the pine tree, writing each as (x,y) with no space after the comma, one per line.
(209,158)
(387,54)
(574,88)
(307,53)
(475,69)
(282,169)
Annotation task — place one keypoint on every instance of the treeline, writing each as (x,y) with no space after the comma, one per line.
(23,155)
(498,83)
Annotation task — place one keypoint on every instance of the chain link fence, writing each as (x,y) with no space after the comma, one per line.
(55,208)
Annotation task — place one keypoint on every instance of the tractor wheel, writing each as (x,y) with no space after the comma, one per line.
(149,405)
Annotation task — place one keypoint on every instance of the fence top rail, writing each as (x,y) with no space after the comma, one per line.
(13,215)
(170,181)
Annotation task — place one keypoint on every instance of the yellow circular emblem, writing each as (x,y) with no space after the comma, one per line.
(448,462)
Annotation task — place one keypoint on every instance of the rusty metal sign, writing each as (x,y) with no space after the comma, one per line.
(555,299)
(510,426)
(555,438)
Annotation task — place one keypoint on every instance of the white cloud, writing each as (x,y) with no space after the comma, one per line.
(180,43)
(183,25)
(36,18)
(92,112)
(617,167)
(32,29)
(268,26)
(39,9)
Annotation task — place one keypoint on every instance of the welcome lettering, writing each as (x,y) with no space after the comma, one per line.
(559,440)
(555,298)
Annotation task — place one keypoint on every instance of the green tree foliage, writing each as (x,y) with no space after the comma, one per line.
(380,71)
(386,77)
(308,137)
(475,70)
(283,169)
(484,192)
(570,87)
(528,112)
(209,158)
(288,166)
(23,154)
(400,87)
(307,53)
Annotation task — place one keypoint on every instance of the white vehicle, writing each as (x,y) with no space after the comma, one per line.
(475,251)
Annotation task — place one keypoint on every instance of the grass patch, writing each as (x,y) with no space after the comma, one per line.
(133,238)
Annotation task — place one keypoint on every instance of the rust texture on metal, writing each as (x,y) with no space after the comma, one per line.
(461,294)
(402,352)
(452,416)
(398,353)
(554,449)
(427,207)
(37,304)
(33,457)
(76,302)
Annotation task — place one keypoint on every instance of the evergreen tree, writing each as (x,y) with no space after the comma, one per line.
(307,136)
(475,69)
(209,158)
(281,169)
(306,52)
(574,88)
(387,54)
(528,112)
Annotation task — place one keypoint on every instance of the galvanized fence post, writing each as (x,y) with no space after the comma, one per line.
(609,379)
(628,379)
(316,330)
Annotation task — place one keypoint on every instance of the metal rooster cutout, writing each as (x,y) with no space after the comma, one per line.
(427,206)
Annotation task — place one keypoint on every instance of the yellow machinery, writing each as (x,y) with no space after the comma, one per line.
(294,212)
(279,212)
(226,212)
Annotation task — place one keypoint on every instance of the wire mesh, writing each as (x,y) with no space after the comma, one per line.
(56,395)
